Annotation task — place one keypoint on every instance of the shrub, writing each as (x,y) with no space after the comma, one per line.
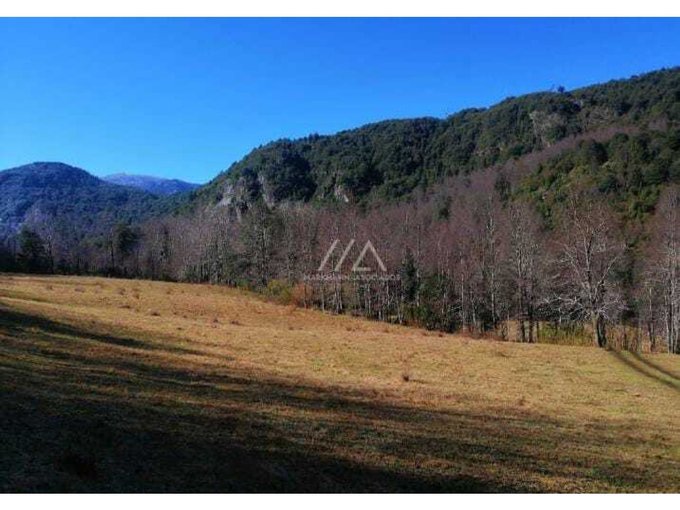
(280,290)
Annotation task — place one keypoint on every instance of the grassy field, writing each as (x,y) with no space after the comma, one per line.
(114,385)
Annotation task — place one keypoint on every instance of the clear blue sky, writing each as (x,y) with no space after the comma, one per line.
(185,98)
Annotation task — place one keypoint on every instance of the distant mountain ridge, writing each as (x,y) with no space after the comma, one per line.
(155,185)
(57,192)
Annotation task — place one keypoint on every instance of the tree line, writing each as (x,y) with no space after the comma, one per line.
(468,259)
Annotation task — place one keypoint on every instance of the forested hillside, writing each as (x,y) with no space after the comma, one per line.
(629,170)
(71,211)
(55,191)
(393,158)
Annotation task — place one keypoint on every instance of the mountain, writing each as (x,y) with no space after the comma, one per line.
(620,137)
(155,185)
(56,192)
(394,158)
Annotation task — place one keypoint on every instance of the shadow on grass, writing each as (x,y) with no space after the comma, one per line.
(77,421)
(648,369)
(655,366)
(13,322)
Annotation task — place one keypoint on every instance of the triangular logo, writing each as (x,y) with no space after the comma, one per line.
(367,247)
(356,267)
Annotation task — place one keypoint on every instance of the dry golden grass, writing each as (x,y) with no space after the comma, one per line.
(113,385)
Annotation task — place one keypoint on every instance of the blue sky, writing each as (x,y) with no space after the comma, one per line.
(185,98)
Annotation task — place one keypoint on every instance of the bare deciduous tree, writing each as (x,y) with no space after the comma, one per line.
(590,247)
(525,266)
(665,266)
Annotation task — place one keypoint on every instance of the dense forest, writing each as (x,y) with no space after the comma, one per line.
(551,217)
(55,192)
(393,159)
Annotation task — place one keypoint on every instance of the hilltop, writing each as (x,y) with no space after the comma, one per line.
(155,185)
(53,192)
(71,199)
(395,158)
